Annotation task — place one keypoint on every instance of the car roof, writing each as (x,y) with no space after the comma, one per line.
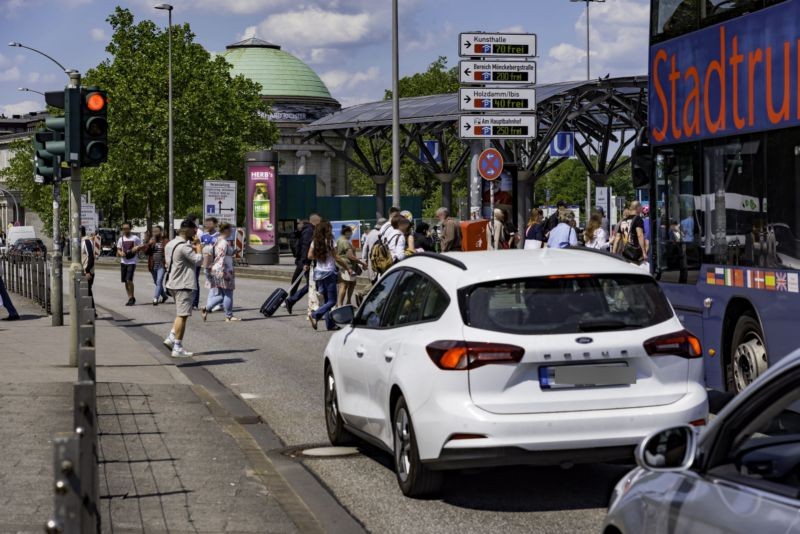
(486,266)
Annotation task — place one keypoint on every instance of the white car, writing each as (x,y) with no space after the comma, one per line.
(509,357)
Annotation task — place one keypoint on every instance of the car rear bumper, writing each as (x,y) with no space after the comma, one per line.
(548,438)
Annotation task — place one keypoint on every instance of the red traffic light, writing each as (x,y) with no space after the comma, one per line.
(95,101)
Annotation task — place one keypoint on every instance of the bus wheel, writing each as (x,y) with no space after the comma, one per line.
(748,354)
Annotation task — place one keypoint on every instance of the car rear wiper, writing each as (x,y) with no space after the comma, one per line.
(597,325)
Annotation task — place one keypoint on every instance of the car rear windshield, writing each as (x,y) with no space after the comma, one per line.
(565,304)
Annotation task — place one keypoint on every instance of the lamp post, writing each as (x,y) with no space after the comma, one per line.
(588,77)
(395,108)
(56,265)
(171,209)
(25,89)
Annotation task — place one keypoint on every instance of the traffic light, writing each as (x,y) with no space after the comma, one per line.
(93,127)
(43,160)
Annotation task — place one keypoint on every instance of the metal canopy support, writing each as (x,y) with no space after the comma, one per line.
(600,112)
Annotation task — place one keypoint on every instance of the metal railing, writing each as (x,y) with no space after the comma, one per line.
(75,454)
(27,275)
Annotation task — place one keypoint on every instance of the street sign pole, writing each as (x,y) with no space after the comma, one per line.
(56,265)
(75,267)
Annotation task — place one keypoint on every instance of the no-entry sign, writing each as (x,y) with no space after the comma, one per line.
(490,164)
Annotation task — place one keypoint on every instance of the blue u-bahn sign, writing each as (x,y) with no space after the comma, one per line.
(563,145)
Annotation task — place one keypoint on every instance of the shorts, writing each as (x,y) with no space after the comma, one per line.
(126,272)
(183,302)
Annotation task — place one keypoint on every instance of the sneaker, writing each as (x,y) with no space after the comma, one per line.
(217,308)
(130,302)
(312,321)
(12,318)
(169,343)
(164,299)
(289,305)
(155,302)
(231,319)
(180,352)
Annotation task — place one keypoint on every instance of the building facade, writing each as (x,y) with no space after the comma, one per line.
(11,129)
(298,97)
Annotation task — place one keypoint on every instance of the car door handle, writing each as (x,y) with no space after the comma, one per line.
(360,351)
(388,356)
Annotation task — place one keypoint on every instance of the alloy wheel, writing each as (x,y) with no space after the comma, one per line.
(402,445)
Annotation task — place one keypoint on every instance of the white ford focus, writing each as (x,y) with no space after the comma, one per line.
(509,357)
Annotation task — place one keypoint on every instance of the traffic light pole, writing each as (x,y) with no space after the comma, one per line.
(75,267)
(56,275)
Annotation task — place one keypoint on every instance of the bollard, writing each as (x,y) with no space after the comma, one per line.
(66,501)
(85,423)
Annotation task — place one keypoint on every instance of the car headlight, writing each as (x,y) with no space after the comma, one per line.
(624,485)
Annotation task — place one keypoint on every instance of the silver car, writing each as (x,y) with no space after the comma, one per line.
(741,474)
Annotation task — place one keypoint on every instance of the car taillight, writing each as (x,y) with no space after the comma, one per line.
(461,356)
(683,344)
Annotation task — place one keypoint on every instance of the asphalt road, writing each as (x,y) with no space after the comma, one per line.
(276,366)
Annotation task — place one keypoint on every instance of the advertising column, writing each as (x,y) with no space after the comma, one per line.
(261,174)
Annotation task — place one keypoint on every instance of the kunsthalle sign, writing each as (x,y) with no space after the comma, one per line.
(89,217)
(261,195)
(219,200)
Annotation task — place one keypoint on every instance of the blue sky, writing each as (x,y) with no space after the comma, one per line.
(348,42)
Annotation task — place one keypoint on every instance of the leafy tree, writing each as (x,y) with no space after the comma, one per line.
(217,118)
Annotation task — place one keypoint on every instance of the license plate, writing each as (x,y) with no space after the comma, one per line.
(573,376)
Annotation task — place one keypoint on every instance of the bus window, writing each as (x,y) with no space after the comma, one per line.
(713,11)
(678,252)
(783,198)
(670,18)
(734,202)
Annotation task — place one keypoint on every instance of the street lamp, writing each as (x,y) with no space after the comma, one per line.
(588,77)
(395,107)
(171,210)
(20,45)
(30,90)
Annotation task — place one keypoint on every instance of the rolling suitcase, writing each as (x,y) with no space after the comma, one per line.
(276,299)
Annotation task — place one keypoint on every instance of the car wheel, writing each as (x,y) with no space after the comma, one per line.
(748,354)
(337,434)
(414,478)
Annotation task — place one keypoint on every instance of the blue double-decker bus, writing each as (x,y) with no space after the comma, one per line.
(723,166)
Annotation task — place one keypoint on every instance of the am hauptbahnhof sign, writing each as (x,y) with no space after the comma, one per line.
(496,87)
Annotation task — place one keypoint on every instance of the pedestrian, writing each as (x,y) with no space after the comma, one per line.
(392,212)
(595,235)
(553,220)
(370,240)
(208,236)
(221,276)
(87,260)
(156,264)
(5,301)
(128,247)
(323,253)
(200,233)
(497,232)
(451,231)
(302,261)
(629,240)
(351,266)
(183,255)
(534,231)
(397,240)
(564,234)
(422,237)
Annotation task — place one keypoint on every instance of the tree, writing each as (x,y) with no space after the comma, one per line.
(217,118)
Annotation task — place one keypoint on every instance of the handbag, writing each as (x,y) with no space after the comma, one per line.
(315,298)
(630,251)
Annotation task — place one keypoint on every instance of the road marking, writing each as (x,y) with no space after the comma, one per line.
(248,396)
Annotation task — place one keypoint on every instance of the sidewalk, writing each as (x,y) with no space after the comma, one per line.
(169,460)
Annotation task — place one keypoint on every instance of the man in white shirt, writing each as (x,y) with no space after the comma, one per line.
(182,255)
(128,247)
(369,242)
(395,237)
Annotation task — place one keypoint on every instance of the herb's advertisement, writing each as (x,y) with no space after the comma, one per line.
(261,195)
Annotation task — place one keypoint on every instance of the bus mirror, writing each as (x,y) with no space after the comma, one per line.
(641,167)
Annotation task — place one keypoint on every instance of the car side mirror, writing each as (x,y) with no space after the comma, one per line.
(343,315)
(672,449)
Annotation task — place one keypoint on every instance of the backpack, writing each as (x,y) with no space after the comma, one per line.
(380,257)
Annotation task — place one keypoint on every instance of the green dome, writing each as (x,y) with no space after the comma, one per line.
(280,74)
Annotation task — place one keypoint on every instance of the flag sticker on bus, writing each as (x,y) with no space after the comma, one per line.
(754,279)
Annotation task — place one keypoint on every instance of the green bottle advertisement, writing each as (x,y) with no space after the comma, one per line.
(261,208)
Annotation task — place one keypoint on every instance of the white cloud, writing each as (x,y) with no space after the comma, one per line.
(20,108)
(10,75)
(318,26)
(249,32)
(339,79)
(99,34)
(4,61)
(349,101)
(513,29)
(618,43)
(34,77)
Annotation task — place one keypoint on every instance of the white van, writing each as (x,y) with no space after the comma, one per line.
(16,233)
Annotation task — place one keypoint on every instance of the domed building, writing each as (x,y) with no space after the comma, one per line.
(298,97)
